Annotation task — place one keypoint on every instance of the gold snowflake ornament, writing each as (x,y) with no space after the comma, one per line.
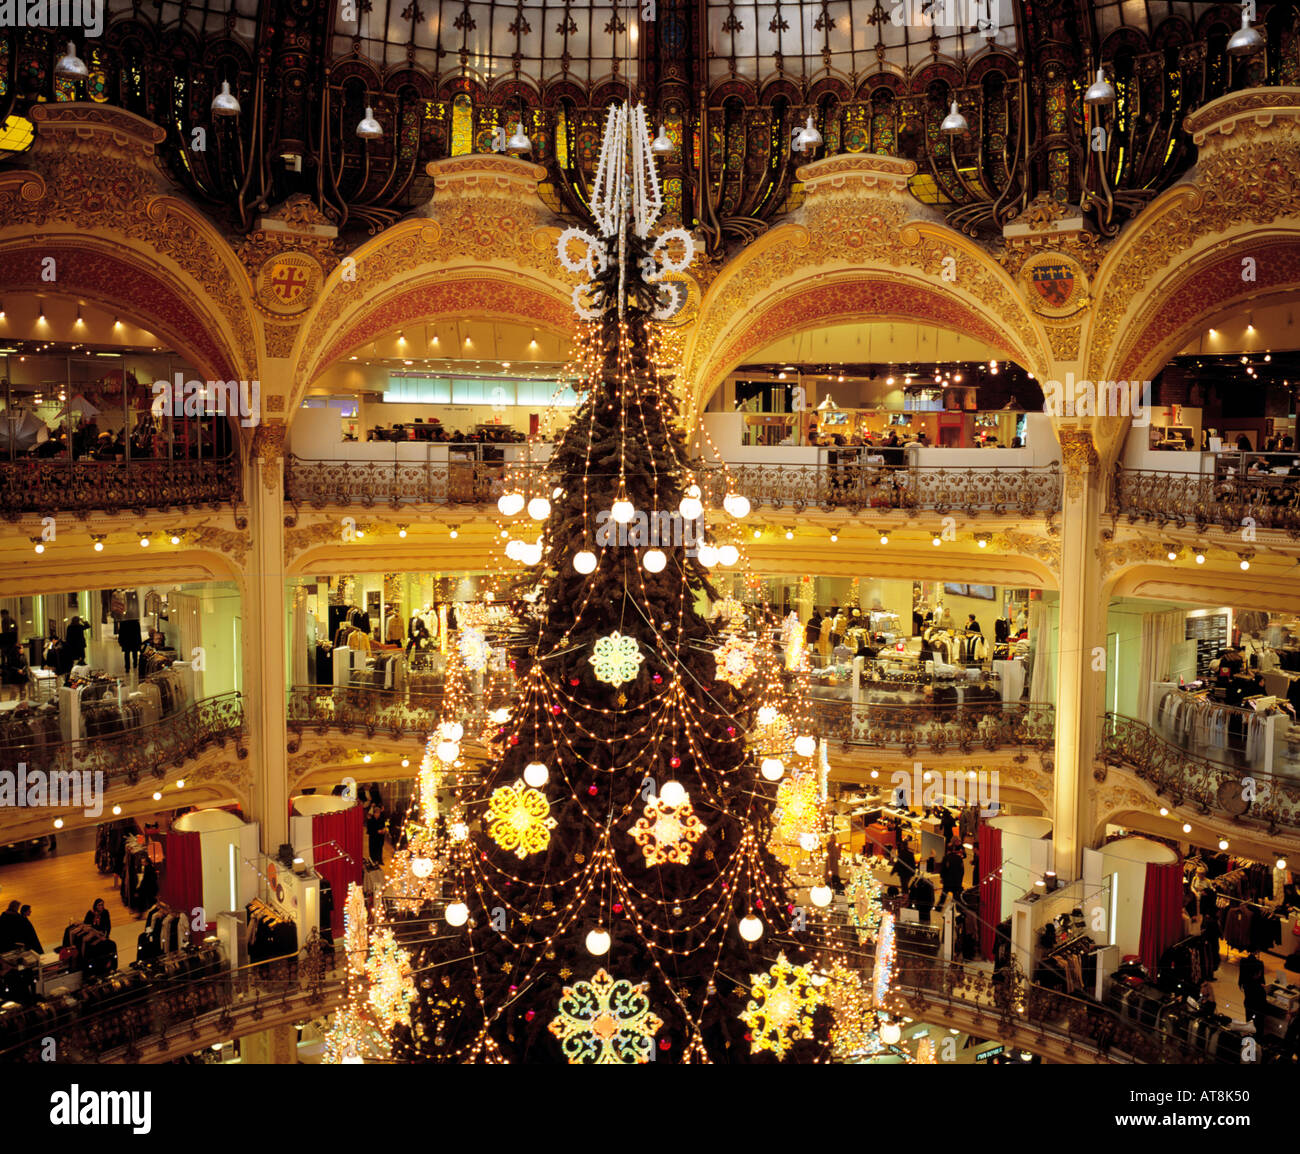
(780,1011)
(392,988)
(617,659)
(605,1022)
(735,658)
(519,819)
(667,834)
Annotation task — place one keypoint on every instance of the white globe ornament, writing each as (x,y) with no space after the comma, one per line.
(585,562)
(539,508)
(513,550)
(805,745)
(457,914)
(691,507)
(459,831)
(736,505)
(890,1033)
(531,554)
(751,928)
(622,511)
(452,730)
(728,555)
(422,867)
(508,504)
(707,555)
(499,716)
(598,942)
(772,768)
(673,793)
(820,896)
(766,714)
(448,751)
(535,774)
(654,560)
(808,842)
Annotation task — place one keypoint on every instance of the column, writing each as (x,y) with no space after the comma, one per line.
(1082,629)
(264,640)
(277,1046)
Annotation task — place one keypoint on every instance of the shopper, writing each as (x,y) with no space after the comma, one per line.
(28,939)
(952,873)
(98,917)
(1206,1002)
(11,929)
(1210,931)
(972,626)
(75,639)
(375,827)
(1250,977)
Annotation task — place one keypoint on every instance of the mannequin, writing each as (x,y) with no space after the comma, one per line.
(393,627)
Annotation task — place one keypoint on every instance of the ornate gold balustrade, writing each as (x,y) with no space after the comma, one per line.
(851,487)
(1201,500)
(136,754)
(1027,727)
(51,485)
(1215,788)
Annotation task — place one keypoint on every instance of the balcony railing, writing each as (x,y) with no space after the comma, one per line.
(412,712)
(1213,787)
(126,758)
(52,485)
(1022,726)
(852,487)
(1202,499)
(855,487)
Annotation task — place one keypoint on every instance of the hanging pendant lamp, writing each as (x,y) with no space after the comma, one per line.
(519,143)
(1100,91)
(1245,41)
(369,128)
(225,103)
(661,145)
(954,123)
(71,66)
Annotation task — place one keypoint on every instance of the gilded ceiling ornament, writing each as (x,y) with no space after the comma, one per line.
(1054,284)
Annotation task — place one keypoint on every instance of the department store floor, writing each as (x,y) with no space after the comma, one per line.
(62,885)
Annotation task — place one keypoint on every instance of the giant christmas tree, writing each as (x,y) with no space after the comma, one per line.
(609,891)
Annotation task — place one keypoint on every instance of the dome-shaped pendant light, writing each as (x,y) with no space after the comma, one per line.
(1100,91)
(1246,40)
(519,143)
(369,128)
(661,145)
(225,103)
(954,123)
(807,137)
(71,66)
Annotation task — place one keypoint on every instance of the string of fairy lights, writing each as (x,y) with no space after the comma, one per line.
(743,777)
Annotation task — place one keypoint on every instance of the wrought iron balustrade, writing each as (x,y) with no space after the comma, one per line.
(829,487)
(411,712)
(1213,787)
(1201,500)
(319,483)
(146,751)
(54,485)
(1023,726)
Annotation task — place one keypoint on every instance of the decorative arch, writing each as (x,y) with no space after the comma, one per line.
(483,247)
(1181,260)
(855,252)
(97,196)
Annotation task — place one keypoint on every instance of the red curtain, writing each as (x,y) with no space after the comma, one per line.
(333,835)
(1162,912)
(182,881)
(990,883)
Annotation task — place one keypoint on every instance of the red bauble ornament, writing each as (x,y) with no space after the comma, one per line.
(529,1015)
(591,789)
(514,739)
(618,907)
(555,709)
(675,762)
(731,731)
(514,989)
(512,663)
(656,678)
(758,903)
(573,681)
(664,1044)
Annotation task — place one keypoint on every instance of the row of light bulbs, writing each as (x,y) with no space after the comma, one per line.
(1223,841)
(98,539)
(1173,552)
(117,809)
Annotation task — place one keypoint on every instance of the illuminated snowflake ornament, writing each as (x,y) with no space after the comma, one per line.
(735,658)
(605,1022)
(667,834)
(781,1008)
(617,659)
(474,649)
(863,893)
(519,819)
(392,987)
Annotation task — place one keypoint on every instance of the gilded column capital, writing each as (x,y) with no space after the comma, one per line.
(1078,458)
